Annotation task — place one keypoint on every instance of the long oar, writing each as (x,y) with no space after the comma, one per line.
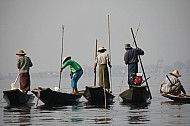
(95,59)
(109,50)
(61,55)
(141,65)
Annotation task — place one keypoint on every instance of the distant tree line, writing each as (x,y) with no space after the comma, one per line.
(159,67)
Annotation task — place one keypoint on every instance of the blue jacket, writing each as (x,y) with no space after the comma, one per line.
(131,55)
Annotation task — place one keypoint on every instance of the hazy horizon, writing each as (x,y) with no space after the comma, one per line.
(36,27)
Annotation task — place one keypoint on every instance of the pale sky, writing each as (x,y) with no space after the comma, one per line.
(36,27)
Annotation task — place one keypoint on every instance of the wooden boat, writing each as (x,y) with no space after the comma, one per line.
(135,94)
(50,97)
(178,98)
(95,95)
(16,97)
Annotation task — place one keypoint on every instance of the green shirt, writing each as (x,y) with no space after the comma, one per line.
(74,66)
(24,63)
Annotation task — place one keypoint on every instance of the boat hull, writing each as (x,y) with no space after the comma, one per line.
(50,97)
(135,94)
(16,97)
(95,95)
(178,98)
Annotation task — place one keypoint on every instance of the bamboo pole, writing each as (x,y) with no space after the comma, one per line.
(95,59)
(61,56)
(105,99)
(141,65)
(109,51)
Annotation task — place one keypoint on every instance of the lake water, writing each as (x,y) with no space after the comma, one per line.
(161,111)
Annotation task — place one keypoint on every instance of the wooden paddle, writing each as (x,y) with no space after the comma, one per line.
(141,64)
(61,55)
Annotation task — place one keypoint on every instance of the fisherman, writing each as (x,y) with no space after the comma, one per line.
(102,60)
(131,59)
(76,72)
(172,84)
(24,63)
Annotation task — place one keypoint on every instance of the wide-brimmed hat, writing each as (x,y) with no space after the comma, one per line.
(127,46)
(21,52)
(101,49)
(176,73)
(66,58)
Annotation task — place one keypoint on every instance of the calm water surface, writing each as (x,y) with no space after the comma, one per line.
(160,111)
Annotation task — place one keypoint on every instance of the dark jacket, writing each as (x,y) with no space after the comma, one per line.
(131,55)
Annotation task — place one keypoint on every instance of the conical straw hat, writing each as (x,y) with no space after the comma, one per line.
(20,52)
(176,73)
(101,49)
(66,58)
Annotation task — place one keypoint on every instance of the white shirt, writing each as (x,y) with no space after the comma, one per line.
(102,58)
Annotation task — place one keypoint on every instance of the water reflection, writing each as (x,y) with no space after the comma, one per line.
(59,113)
(138,112)
(103,120)
(50,107)
(17,115)
(173,103)
(100,106)
(98,113)
(177,113)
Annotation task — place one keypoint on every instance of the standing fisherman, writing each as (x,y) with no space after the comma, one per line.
(131,59)
(76,72)
(102,60)
(24,63)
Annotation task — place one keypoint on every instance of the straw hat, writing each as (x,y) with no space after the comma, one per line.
(66,58)
(101,49)
(127,46)
(176,73)
(20,52)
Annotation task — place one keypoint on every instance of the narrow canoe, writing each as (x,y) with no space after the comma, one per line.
(16,97)
(178,98)
(135,94)
(50,97)
(96,95)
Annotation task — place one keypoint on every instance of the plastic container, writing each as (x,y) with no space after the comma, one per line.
(138,79)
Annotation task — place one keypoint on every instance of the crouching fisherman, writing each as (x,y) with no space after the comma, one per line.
(172,84)
(76,72)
